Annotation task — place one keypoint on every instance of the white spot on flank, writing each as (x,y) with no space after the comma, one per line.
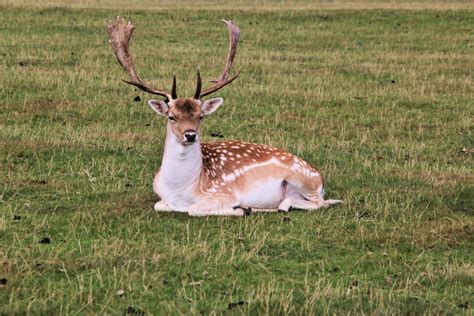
(261,164)
(296,167)
(229,177)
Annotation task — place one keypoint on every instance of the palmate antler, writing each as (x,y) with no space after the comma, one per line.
(234,35)
(120,31)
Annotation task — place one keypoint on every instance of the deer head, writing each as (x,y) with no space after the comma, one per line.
(184,114)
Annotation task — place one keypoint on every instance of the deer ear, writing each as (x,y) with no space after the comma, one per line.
(158,106)
(209,106)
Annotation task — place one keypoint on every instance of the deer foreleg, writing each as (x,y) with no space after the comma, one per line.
(222,212)
(313,205)
(216,207)
(161,206)
(284,206)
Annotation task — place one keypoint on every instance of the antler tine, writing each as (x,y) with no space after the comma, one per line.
(173,89)
(120,31)
(198,85)
(234,35)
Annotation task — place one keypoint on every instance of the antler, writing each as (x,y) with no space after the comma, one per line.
(120,31)
(234,34)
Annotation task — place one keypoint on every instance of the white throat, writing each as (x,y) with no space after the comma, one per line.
(182,164)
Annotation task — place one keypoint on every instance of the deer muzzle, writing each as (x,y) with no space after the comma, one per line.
(190,136)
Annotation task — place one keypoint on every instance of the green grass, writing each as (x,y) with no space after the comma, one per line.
(380,100)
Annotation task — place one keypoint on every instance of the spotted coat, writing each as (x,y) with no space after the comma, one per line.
(226,166)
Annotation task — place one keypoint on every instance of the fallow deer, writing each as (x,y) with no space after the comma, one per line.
(221,178)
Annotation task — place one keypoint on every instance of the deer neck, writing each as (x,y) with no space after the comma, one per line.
(182,164)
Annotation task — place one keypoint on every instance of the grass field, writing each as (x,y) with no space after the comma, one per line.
(381,100)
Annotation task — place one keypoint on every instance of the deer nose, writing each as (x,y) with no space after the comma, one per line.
(190,136)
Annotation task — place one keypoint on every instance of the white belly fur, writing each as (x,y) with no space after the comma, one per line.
(264,194)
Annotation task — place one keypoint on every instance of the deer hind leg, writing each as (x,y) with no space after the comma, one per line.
(217,206)
(289,196)
(307,193)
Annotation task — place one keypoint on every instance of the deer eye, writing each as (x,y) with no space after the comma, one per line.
(201,117)
(172,118)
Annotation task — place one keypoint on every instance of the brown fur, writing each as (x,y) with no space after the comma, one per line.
(188,108)
(225,158)
(187,113)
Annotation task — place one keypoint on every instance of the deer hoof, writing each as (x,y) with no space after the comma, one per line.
(285,211)
(247,211)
